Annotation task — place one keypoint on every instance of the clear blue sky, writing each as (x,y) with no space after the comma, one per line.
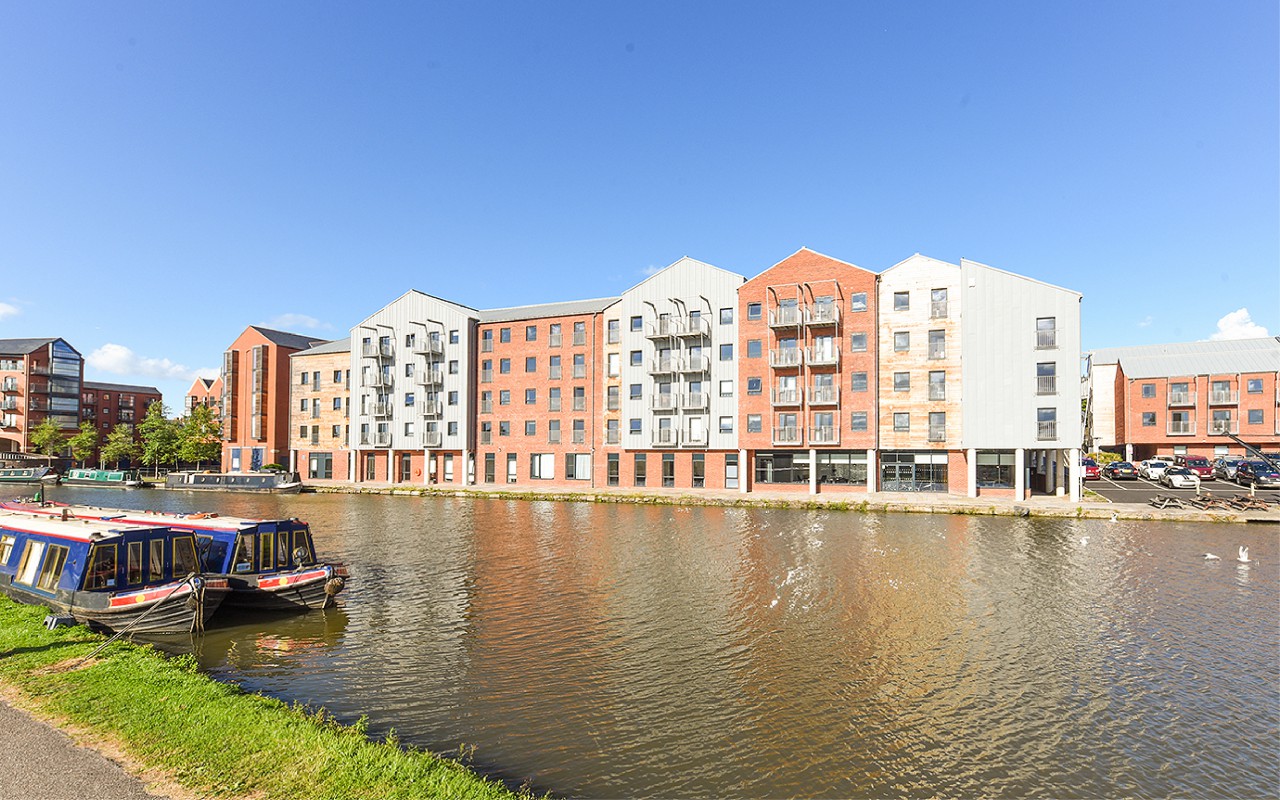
(173,172)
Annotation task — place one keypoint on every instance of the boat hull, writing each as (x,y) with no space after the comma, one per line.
(103,484)
(301,591)
(156,612)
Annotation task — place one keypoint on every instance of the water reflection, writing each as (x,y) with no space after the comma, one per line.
(649,651)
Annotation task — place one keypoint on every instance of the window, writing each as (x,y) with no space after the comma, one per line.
(453,398)
(637,323)
(995,470)
(901,421)
(614,365)
(337,404)
(938,304)
(531,364)
(408,398)
(453,336)
(937,385)
(901,301)
(754,385)
(731,470)
(490,467)
(611,468)
(1046,332)
(579,333)
(486,371)
(754,310)
(504,397)
(637,358)
(511,468)
(638,476)
(579,365)
(504,428)
(902,381)
(858,301)
(901,341)
(726,316)
(531,333)
(530,428)
(337,431)
(101,573)
(726,424)
(504,366)
(303,404)
(613,333)
(306,377)
(553,398)
(858,421)
(554,371)
(553,431)
(486,341)
(577,466)
(754,423)
(302,432)
(530,397)
(553,337)
(612,398)
(937,344)
(726,388)
(633,426)
(857,343)
(726,352)
(1047,378)
(542,466)
(1254,386)
(1148,390)
(699,470)
(753,348)
(486,432)
(668,469)
(858,382)
(408,429)
(337,376)
(1046,423)
(937,426)
(504,335)
(1255,416)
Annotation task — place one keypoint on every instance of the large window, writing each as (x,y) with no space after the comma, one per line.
(905,471)
(542,466)
(320,466)
(577,466)
(995,470)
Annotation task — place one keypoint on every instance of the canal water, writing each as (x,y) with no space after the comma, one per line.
(605,651)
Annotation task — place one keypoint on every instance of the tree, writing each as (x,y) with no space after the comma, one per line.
(120,445)
(47,438)
(84,443)
(201,437)
(159,437)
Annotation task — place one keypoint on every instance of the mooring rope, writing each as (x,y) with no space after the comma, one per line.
(199,619)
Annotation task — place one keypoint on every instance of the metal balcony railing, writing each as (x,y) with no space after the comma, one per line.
(1047,339)
(665,437)
(431,438)
(664,401)
(695,437)
(786,397)
(1220,426)
(1046,431)
(824,434)
(695,401)
(695,364)
(376,380)
(661,328)
(786,357)
(824,395)
(382,409)
(372,350)
(1047,385)
(432,408)
(612,436)
(579,338)
(1219,397)
(579,370)
(822,314)
(553,437)
(1184,427)
(579,437)
(429,347)
(784,317)
(937,433)
(788,435)
(822,356)
(381,440)
(429,377)
(663,366)
(1182,399)
(693,326)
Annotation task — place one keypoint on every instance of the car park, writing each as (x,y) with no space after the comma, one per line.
(1152,468)
(1179,478)
(1120,471)
(1257,473)
(1225,467)
(1089,470)
(1197,464)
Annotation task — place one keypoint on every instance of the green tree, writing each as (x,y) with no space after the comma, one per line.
(159,437)
(84,443)
(201,437)
(119,445)
(47,438)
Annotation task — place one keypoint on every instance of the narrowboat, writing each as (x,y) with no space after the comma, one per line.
(26,475)
(269,564)
(269,482)
(106,574)
(103,478)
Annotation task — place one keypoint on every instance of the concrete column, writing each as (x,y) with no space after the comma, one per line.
(743,466)
(1019,474)
(873,471)
(973,471)
(813,471)
(1077,477)
(1065,468)
(293,460)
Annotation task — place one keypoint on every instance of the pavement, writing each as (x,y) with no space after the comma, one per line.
(40,762)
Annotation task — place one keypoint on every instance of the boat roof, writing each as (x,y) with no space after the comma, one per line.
(130,517)
(81,530)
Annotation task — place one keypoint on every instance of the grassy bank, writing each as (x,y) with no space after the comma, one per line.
(213,739)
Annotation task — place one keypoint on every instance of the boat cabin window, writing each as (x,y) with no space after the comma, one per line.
(265,540)
(52,568)
(41,565)
(282,549)
(133,564)
(102,567)
(302,548)
(245,559)
(184,556)
(6,548)
(156,567)
(30,565)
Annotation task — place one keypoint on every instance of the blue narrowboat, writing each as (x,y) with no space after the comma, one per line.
(269,564)
(107,574)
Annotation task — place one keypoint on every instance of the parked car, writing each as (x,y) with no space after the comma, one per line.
(1257,473)
(1120,471)
(1089,470)
(1225,467)
(1152,469)
(1179,478)
(1197,464)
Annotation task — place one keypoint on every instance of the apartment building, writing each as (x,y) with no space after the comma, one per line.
(255,397)
(541,396)
(413,374)
(205,392)
(1185,399)
(807,375)
(319,411)
(39,379)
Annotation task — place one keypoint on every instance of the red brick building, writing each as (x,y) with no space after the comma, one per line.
(39,379)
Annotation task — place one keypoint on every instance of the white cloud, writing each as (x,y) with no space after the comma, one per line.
(7,310)
(289,321)
(1238,325)
(651,270)
(120,360)
(1146,322)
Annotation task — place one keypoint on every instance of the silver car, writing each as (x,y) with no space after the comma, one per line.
(1152,469)
(1226,467)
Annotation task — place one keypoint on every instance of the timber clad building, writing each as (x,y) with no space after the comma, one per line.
(814,376)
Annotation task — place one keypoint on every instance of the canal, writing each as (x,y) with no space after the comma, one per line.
(604,651)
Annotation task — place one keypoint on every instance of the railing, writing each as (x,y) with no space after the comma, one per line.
(377,380)
(784,317)
(486,345)
(579,436)
(1047,339)
(695,401)
(1219,397)
(431,438)
(786,357)
(696,364)
(661,401)
(1185,427)
(553,339)
(382,409)
(665,437)
(372,350)
(486,376)
(10,385)
(789,435)
(822,314)
(1047,385)
(786,397)
(315,411)
(430,377)
(824,395)
(38,386)
(1177,399)
(429,347)
(695,438)
(9,404)
(937,309)
(382,440)
(486,406)
(432,408)
(937,433)
(612,403)
(553,436)
(37,404)
(1046,431)
(553,404)
(315,438)
(693,326)
(315,386)
(612,436)
(554,372)
(579,403)
(661,329)
(822,356)
(661,366)
(1224,426)
(39,369)
(579,337)
(824,434)
(579,370)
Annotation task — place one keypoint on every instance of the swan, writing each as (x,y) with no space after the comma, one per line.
(1114,517)
(1211,557)
(1243,556)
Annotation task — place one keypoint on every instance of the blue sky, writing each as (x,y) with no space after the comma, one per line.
(173,172)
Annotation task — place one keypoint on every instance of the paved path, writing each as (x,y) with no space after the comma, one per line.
(39,762)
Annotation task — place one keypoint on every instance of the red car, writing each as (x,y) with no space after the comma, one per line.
(1091,470)
(1197,464)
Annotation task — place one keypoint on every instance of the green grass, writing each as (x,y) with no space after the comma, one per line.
(213,738)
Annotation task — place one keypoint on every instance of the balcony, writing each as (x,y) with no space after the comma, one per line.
(9,385)
(666,437)
(695,438)
(822,356)
(1046,431)
(431,408)
(664,402)
(37,404)
(429,346)
(786,357)
(693,326)
(786,397)
(1220,426)
(662,328)
(822,315)
(1182,399)
(1045,385)
(824,434)
(696,401)
(1220,397)
(663,366)
(789,435)
(9,404)
(381,440)
(41,387)
(372,350)
(824,395)
(382,409)
(431,438)
(429,377)
(1186,427)
(377,380)
(785,317)
(695,364)
(1047,339)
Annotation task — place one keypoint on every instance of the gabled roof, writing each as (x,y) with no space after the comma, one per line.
(971,262)
(324,348)
(23,346)
(120,387)
(686,260)
(543,310)
(459,306)
(1193,358)
(284,339)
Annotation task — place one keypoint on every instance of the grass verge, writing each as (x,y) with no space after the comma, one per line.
(212,739)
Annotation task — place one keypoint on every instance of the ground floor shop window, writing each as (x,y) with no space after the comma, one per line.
(782,467)
(848,467)
(995,470)
(913,472)
(320,466)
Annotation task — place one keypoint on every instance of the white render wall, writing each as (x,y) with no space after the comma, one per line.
(1102,404)
(1000,355)
(685,286)
(420,314)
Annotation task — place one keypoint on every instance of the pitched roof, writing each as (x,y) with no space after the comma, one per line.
(295,340)
(23,345)
(120,387)
(1194,358)
(543,310)
(324,348)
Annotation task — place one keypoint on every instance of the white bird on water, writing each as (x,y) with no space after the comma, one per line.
(1211,557)
(1243,555)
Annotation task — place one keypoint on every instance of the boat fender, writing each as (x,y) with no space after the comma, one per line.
(333,586)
